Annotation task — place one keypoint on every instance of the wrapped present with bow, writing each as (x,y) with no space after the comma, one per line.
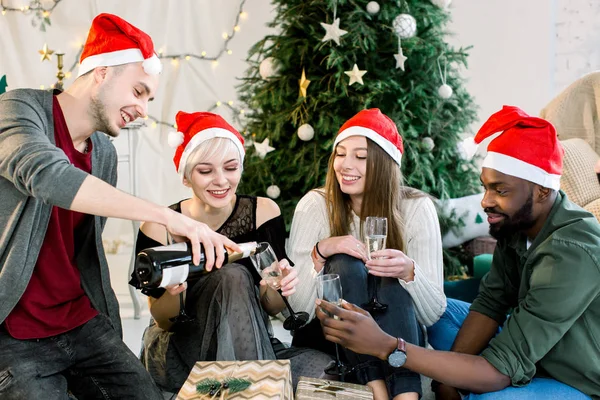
(311,388)
(237,380)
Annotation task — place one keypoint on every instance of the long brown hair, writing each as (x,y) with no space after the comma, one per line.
(382,196)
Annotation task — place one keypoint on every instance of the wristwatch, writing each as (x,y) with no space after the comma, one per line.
(398,356)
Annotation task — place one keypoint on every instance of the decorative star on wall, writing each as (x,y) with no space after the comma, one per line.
(355,75)
(263,148)
(45,52)
(333,31)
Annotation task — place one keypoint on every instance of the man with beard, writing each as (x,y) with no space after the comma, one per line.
(545,274)
(60,327)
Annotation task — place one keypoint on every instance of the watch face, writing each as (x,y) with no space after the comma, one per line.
(397,359)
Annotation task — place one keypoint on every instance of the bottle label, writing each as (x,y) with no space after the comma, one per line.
(181,246)
(174,275)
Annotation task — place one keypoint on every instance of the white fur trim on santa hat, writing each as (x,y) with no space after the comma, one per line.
(208,134)
(152,66)
(386,145)
(520,169)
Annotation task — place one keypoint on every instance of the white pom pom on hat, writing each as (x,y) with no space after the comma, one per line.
(175,139)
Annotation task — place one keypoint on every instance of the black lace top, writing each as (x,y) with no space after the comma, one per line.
(240,227)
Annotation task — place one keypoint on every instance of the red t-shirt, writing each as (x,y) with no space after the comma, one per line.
(54,301)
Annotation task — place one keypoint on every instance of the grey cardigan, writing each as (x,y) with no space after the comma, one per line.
(34,176)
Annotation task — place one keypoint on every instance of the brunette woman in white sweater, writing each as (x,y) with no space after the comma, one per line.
(364,179)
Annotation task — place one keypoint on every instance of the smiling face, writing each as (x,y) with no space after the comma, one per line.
(213,172)
(509,203)
(121,95)
(350,165)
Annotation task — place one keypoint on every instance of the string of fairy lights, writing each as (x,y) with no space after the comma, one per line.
(43,14)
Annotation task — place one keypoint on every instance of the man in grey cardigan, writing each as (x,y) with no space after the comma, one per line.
(60,328)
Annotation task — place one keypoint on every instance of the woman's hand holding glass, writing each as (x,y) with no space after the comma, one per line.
(289,278)
(343,245)
(391,263)
(280,276)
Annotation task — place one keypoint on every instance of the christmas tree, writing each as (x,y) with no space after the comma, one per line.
(333,58)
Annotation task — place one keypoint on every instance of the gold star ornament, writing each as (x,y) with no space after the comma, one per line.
(303,82)
(45,52)
(355,75)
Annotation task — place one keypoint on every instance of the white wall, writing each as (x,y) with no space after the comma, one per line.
(511,61)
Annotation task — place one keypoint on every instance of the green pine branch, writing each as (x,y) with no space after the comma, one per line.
(408,97)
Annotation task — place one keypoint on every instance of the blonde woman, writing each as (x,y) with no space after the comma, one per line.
(227,305)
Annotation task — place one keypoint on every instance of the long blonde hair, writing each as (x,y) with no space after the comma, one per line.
(382,197)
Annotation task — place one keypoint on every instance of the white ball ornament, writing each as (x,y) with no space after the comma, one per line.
(267,68)
(373,7)
(428,143)
(273,191)
(405,26)
(445,91)
(306,132)
(441,3)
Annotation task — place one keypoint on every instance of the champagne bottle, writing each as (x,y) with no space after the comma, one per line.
(168,265)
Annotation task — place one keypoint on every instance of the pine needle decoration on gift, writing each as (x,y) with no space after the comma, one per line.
(208,386)
(236,384)
(213,387)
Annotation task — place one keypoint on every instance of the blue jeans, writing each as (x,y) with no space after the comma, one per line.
(399,320)
(91,361)
(441,337)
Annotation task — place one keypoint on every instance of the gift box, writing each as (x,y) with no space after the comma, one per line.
(312,388)
(268,380)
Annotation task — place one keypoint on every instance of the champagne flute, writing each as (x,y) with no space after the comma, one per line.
(265,261)
(329,288)
(375,236)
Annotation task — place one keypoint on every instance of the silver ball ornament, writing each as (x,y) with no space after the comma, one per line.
(405,26)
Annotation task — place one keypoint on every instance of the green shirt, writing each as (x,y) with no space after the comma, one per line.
(554,290)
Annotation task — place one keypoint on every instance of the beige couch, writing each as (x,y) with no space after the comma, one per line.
(579,180)
(575,113)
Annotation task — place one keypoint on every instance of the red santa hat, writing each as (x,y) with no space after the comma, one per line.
(114,41)
(196,128)
(378,127)
(527,147)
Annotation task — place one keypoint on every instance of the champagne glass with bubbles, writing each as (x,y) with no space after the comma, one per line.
(375,236)
(329,288)
(265,261)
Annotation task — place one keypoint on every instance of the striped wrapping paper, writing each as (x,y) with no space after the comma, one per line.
(271,379)
(311,388)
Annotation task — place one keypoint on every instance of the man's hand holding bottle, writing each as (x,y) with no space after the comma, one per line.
(182,228)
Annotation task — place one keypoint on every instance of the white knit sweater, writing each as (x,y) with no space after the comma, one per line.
(423,245)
